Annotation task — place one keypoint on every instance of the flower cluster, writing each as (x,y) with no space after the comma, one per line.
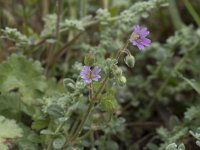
(88,74)
(138,38)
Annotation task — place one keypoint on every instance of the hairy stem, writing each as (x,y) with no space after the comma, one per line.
(90,107)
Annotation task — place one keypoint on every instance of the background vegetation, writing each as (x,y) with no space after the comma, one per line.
(44,42)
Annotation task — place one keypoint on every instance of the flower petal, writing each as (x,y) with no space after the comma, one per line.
(96,70)
(96,78)
(136,29)
(141,47)
(144,32)
(146,42)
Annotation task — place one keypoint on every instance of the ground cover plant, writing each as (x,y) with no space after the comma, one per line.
(100,75)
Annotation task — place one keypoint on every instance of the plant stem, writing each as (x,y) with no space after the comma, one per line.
(50,144)
(90,107)
(56,131)
(58,3)
(45,7)
(123,49)
(75,125)
(176,19)
(192,12)
(83,8)
(83,121)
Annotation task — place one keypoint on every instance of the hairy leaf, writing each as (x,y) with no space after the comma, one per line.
(24,75)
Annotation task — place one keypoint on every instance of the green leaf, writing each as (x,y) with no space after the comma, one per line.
(181,147)
(59,142)
(10,105)
(14,35)
(108,101)
(55,110)
(46,132)
(39,124)
(194,84)
(29,141)
(172,146)
(49,27)
(111,145)
(24,75)
(192,113)
(73,24)
(69,84)
(9,129)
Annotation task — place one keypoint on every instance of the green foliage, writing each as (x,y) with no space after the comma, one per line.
(42,90)
(196,135)
(194,84)
(59,142)
(108,101)
(73,24)
(9,129)
(171,136)
(192,113)
(15,36)
(24,75)
(103,16)
(30,140)
(173,146)
(49,25)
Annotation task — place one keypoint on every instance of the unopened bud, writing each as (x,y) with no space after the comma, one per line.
(89,59)
(117,70)
(130,61)
(121,80)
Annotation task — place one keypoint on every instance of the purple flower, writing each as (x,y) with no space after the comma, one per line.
(88,74)
(139,37)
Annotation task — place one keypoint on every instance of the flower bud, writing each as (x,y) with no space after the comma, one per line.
(130,61)
(121,80)
(117,70)
(89,59)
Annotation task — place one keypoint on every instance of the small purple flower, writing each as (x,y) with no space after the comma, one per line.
(139,37)
(88,74)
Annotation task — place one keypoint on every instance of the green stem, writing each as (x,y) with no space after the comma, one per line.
(51,139)
(192,12)
(58,3)
(83,8)
(176,19)
(92,139)
(90,107)
(123,49)
(50,144)
(83,121)
(74,127)
(100,88)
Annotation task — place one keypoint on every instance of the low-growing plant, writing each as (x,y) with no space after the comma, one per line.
(95,77)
